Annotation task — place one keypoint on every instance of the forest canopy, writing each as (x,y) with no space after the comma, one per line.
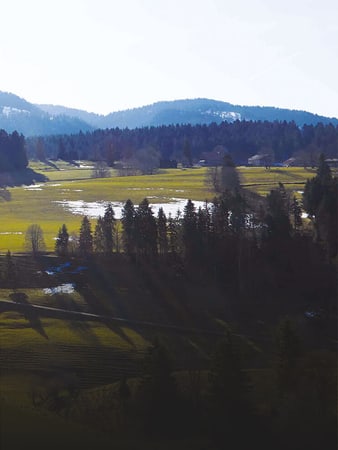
(12,152)
(242,139)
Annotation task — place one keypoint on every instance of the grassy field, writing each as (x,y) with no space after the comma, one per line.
(38,349)
(260,180)
(38,203)
(35,351)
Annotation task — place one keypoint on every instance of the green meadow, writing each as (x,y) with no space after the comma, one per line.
(36,352)
(39,203)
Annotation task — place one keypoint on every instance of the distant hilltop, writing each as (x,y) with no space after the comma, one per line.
(31,120)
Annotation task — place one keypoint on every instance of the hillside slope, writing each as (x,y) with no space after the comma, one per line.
(28,119)
(31,120)
(193,111)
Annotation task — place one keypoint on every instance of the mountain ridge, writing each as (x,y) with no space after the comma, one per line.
(155,114)
(45,119)
(17,114)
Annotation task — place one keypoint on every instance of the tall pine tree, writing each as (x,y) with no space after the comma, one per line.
(85,238)
(61,243)
(129,229)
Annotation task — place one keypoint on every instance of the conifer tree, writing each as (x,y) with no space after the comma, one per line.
(99,237)
(277,218)
(85,237)
(61,243)
(220,216)
(129,230)
(162,232)
(146,230)
(173,235)
(296,214)
(108,226)
(189,229)
(320,200)
(203,229)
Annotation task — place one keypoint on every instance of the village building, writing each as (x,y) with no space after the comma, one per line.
(260,160)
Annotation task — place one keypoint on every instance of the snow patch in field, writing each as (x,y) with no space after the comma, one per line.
(34,187)
(95,209)
(11,232)
(66,288)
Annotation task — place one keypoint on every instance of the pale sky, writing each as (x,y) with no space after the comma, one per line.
(108,55)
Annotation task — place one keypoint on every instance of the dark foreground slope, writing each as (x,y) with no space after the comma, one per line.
(69,380)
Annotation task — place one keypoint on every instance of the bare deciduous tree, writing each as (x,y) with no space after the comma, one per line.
(100,170)
(34,241)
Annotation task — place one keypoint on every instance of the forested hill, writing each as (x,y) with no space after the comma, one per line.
(12,152)
(193,111)
(16,114)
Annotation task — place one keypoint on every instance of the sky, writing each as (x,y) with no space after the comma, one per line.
(109,55)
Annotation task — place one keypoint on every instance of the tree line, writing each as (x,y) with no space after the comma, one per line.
(12,151)
(187,143)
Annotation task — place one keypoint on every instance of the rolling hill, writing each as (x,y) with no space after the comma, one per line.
(193,111)
(30,119)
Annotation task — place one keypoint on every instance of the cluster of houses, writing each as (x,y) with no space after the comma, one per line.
(266,160)
(215,158)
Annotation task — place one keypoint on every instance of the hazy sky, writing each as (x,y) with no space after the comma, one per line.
(107,55)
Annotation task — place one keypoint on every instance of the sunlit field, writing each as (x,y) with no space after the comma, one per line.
(38,203)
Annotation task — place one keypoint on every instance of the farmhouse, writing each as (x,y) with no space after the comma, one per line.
(260,160)
(291,162)
(332,162)
(213,158)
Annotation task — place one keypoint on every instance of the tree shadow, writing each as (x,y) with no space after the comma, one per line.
(82,328)
(5,195)
(96,306)
(118,330)
(30,314)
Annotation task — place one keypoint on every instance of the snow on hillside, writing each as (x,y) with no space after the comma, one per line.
(10,111)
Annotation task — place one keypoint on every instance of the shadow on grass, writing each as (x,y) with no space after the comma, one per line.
(82,328)
(97,306)
(30,313)
(118,330)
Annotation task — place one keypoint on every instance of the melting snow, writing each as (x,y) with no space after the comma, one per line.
(11,232)
(66,288)
(34,187)
(96,209)
(9,111)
